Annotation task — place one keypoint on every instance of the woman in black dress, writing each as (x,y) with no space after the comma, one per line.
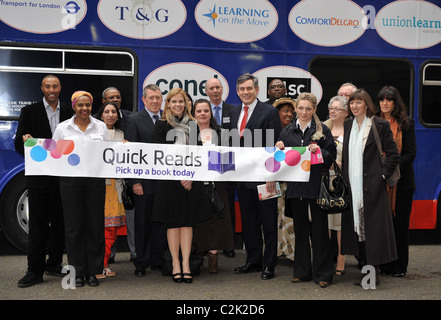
(217,233)
(180,205)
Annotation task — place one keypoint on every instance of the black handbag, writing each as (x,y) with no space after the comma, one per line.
(395,177)
(217,204)
(128,197)
(335,200)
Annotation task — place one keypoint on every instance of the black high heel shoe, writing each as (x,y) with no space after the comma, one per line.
(187,280)
(176,278)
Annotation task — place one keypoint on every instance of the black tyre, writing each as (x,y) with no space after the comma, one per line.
(14,213)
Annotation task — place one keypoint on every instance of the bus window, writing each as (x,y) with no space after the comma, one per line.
(23,68)
(430,98)
(370,74)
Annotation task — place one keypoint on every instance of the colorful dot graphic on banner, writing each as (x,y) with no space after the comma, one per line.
(291,157)
(56,149)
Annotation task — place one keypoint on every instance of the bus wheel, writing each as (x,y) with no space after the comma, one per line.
(14,213)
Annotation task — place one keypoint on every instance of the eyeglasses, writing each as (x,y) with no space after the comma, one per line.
(336,109)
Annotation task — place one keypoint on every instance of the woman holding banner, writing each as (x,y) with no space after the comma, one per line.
(114,211)
(217,233)
(180,205)
(83,197)
(308,131)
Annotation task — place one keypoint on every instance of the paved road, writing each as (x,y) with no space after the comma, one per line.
(423,281)
(226,290)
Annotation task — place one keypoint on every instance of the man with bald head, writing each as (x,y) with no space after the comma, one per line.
(221,110)
(46,224)
(346,89)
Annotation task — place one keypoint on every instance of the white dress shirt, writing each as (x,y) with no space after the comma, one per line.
(52,116)
(68,130)
(250,111)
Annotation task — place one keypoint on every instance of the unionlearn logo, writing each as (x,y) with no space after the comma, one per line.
(56,149)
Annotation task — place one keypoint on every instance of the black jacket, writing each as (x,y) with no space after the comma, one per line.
(33,120)
(292,136)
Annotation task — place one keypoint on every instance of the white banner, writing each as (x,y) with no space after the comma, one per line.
(105,159)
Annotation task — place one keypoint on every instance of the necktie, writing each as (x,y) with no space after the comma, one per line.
(156,117)
(244,120)
(217,115)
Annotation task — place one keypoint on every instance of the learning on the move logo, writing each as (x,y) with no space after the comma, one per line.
(237,21)
(40,150)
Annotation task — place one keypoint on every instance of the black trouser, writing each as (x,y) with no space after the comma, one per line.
(46,227)
(150,237)
(257,217)
(83,206)
(316,232)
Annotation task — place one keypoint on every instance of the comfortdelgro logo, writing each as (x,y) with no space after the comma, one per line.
(40,150)
(237,21)
(327,23)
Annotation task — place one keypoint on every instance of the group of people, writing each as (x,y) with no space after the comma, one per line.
(88,211)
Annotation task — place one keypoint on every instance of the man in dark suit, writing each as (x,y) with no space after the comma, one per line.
(256,120)
(46,225)
(276,90)
(221,112)
(150,237)
(114,95)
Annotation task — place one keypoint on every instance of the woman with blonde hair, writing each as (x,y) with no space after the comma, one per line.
(180,205)
(308,131)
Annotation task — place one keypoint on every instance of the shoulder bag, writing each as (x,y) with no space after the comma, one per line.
(393,179)
(217,204)
(335,199)
(128,197)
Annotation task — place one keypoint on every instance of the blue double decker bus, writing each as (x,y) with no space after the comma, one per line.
(312,45)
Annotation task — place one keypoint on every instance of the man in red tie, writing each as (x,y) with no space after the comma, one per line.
(259,126)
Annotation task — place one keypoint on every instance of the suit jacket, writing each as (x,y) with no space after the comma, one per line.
(263,117)
(123,121)
(140,128)
(226,111)
(34,121)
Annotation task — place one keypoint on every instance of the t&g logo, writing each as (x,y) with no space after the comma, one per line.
(142,19)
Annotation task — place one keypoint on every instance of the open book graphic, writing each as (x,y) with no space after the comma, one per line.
(221,162)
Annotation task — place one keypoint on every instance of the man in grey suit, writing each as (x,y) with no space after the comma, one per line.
(221,112)
(150,237)
(261,126)
(214,91)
